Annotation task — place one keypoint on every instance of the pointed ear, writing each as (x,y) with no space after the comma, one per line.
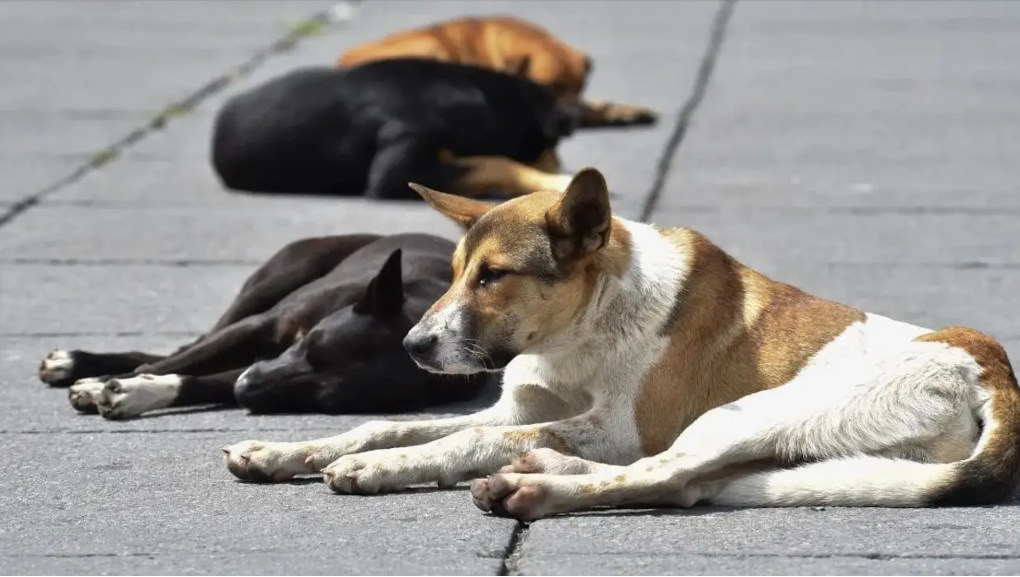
(580,222)
(518,66)
(463,211)
(385,294)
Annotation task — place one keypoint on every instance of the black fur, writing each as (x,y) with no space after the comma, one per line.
(317,328)
(371,129)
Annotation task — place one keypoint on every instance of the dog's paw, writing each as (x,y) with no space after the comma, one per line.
(83,395)
(354,475)
(510,495)
(56,369)
(625,115)
(370,473)
(552,462)
(266,462)
(130,397)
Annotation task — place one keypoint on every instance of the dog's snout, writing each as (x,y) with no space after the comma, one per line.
(421,346)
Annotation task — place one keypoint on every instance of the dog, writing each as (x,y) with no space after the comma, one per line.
(371,129)
(645,366)
(509,45)
(317,328)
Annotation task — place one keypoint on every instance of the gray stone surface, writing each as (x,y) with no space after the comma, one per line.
(149,500)
(861,150)
(671,564)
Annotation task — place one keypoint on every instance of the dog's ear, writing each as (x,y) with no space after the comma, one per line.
(518,66)
(463,211)
(579,224)
(385,294)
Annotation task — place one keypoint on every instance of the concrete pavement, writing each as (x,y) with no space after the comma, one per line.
(863,150)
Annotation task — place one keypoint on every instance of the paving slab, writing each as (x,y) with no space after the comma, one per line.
(139,56)
(21,178)
(64,101)
(880,100)
(817,236)
(102,493)
(705,564)
(828,541)
(241,231)
(44,299)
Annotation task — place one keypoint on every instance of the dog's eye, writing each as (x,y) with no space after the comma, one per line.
(487,275)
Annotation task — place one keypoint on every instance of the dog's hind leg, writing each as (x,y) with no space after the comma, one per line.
(236,346)
(62,368)
(856,425)
(598,113)
(487,174)
(124,398)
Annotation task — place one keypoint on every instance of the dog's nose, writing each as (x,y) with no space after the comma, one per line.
(421,346)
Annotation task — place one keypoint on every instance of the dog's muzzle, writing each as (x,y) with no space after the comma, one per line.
(422,346)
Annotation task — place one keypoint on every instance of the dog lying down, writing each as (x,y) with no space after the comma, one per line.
(644,366)
(317,328)
(369,130)
(510,45)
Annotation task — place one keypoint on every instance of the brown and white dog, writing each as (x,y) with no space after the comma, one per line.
(645,366)
(510,45)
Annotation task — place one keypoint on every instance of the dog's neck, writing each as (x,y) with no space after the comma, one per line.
(635,291)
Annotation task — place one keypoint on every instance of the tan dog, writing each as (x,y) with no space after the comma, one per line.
(645,366)
(508,45)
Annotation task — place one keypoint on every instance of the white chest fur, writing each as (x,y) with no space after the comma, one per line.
(617,339)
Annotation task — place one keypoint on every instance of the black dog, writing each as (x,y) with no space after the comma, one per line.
(317,328)
(371,129)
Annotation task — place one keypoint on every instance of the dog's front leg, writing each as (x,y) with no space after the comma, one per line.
(467,454)
(265,461)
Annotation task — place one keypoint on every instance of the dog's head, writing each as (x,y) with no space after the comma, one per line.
(351,359)
(524,272)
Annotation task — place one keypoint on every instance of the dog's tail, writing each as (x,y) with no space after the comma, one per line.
(990,475)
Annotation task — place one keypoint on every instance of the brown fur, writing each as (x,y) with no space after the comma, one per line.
(521,236)
(996,472)
(508,45)
(501,43)
(734,332)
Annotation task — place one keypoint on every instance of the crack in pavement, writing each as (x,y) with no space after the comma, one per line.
(514,550)
(176,110)
(720,23)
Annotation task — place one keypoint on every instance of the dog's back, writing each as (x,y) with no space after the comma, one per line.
(502,43)
(320,130)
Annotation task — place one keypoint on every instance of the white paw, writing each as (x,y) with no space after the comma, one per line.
(83,394)
(375,472)
(353,475)
(266,462)
(130,397)
(57,366)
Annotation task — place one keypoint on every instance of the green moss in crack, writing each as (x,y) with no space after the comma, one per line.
(169,113)
(104,157)
(307,28)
